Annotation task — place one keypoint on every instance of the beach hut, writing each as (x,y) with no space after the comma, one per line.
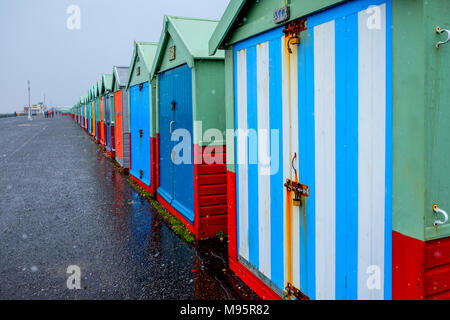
(91,112)
(108,106)
(337,202)
(88,112)
(96,106)
(190,126)
(101,106)
(84,112)
(141,93)
(122,118)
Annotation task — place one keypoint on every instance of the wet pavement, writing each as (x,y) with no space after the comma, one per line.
(63,203)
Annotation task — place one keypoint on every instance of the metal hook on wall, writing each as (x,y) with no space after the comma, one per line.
(439,30)
(436,209)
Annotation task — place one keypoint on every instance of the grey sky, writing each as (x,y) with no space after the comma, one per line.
(63,63)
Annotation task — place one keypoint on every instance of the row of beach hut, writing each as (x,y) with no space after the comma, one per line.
(313,133)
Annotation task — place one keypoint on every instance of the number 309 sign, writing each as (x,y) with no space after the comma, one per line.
(281,15)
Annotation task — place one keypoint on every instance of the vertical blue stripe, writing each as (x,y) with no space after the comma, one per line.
(307,162)
(388,200)
(347,157)
(276,179)
(236,126)
(252,119)
(341,11)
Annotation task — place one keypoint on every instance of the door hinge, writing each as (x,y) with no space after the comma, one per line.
(292,291)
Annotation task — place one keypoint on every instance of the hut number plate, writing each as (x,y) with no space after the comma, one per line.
(172,53)
(281,15)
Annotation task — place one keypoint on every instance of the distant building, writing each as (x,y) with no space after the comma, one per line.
(36,109)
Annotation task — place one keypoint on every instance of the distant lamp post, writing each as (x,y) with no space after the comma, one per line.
(29,102)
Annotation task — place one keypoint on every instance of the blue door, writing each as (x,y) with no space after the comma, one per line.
(108,122)
(97,118)
(134,131)
(145,140)
(166,119)
(176,180)
(140,132)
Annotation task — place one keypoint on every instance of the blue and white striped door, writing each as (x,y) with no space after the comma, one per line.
(325,111)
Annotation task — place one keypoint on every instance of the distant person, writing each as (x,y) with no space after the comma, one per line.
(15,114)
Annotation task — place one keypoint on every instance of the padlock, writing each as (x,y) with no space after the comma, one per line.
(297,201)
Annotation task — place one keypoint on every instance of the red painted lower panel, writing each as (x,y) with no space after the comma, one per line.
(141,184)
(232,223)
(197,217)
(259,287)
(176,214)
(407,267)
(420,270)
(113,141)
(437,280)
(157,161)
(153,164)
(437,253)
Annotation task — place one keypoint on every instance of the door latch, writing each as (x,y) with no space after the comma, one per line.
(292,291)
(300,190)
(174,104)
(141,174)
(141,133)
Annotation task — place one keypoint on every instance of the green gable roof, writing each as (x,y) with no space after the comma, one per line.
(146,52)
(225,24)
(189,33)
(99,87)
(249,18)
(107,83)
(95,90)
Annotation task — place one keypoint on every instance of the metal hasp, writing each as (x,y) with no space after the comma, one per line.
(439,30)
(141,133)
(292,31)
(174,104)
(292,291)
(141,173)
(436,209)
(300,190)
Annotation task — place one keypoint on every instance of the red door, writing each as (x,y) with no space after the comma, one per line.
(118,116)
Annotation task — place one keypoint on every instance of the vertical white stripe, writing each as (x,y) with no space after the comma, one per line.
(262,71)
(242,154)
(371,155)
(286,141)
(325,162)
(295,149)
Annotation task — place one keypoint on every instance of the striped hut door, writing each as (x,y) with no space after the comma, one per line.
(269,226)
(319,115)
(345,142)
